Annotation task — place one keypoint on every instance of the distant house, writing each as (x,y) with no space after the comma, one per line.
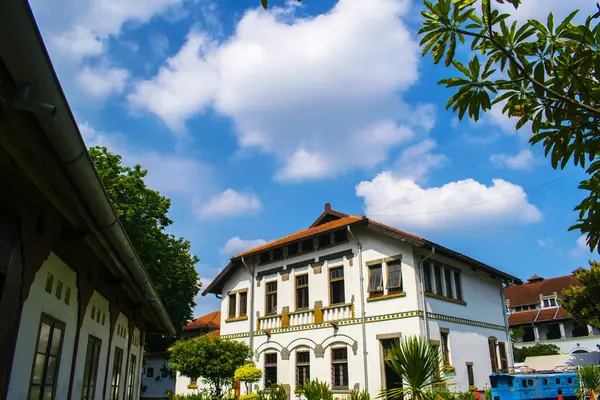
(328,301)
(75,301)
(535,307)
(205,325)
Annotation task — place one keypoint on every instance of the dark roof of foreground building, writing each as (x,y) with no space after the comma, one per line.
(331,220)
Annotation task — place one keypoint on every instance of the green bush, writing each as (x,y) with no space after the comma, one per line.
(316,390)
(276,392)
(359,395)
(250,396)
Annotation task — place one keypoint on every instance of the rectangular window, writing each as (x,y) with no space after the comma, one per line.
(493,357)
(427,277)
(90,371)
(193,381)
(375,280)
(394,276)
(445,346)
(503,357)
(115,380)
(470,375)
(301,292)
(549,303)
(271,294)
(47,358)
(553,332)
(336,286)
(437,272)
(149,372)
(302,367)
(387,344)
(243,304)
(232,300)
(339,368)
(131,383)
(458,286)
(270,369)
(448,277)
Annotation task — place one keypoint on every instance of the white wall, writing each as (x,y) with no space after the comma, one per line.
(157,385)
(100,328)
(182,383)
(40,301)
(119,340)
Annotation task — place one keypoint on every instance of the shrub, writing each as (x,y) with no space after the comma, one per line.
(276,392)
(248,374)
(316,390)
(360,395)
(250,396)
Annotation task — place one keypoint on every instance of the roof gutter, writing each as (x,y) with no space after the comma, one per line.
(57,121)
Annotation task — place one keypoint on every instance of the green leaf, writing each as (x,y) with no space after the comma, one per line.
(464,3)
(539,26)
(265,3)
(550,23)
(451,50)
(563,25)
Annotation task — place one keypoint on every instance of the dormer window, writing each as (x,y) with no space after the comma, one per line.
(549,302)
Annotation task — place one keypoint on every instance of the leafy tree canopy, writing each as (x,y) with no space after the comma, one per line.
(209,357)
(544,74)
(143,213)
(539,349)
(583,302)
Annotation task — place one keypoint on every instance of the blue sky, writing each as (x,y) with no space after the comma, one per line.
(251,120)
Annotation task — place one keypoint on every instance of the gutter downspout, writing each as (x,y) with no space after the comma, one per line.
(252,284)
(421,275)
(363,312)
(507,329)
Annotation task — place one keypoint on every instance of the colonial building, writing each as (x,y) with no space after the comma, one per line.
(75,301)
(328,301)
(207,324)
(535,307)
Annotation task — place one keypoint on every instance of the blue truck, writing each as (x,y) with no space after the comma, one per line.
(539,386)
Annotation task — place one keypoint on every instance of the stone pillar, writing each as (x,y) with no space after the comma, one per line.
(563,333)
(590,330)
(536,333)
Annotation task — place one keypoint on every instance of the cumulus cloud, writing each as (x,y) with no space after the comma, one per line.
(560,8)
(523,160)
(415,162)
(455,205)
(236,245)
(581,248)
(101,82)
(314,92)
(229,203)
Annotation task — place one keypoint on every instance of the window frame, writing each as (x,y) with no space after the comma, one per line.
(445,346)
(503,356)
(438,279)
(492,346)
(334,281)
(268,294)
(91,367)
(302,287)
(232,305)
(377,291)
(55,324)
(270,365)
(131,381)
(116,374)
(470,374)
(427,277)
(448,278)
(344,371)
(302,367)
(243,301)
(388,267)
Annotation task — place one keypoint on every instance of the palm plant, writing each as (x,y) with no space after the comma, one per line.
(418,364)
(589,381)
(316,390)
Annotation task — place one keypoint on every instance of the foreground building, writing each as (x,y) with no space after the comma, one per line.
(75,301)
(328,301)
(535,307)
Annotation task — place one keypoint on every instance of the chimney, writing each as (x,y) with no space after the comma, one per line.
(327,207)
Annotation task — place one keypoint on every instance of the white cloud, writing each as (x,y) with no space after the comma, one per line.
(545,242)
(415,162)
(101,82)
(523,160)
(581,248)
(306,90)
(170,173)
(560,8)
(227,204)
(236,245)
(453,206)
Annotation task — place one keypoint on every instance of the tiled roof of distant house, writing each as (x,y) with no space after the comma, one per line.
(530,291)
(210,321)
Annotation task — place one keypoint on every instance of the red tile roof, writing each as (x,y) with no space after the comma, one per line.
(529,292)
(543,315)
(520,318)
(210,321)
(303,234)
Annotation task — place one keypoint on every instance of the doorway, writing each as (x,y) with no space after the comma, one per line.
(391,380)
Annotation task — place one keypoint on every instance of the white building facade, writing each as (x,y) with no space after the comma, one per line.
(535,307)
(299,303)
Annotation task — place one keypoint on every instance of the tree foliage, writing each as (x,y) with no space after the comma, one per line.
(544,74)
(539,349)
(418,364)
(143,213)
(248,373)
(583,302)
(209,357)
